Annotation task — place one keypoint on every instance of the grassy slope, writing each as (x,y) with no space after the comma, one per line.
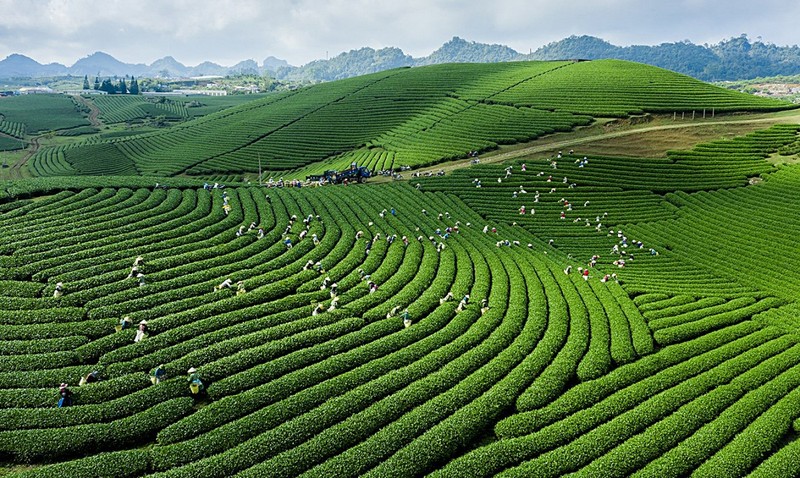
(419,116)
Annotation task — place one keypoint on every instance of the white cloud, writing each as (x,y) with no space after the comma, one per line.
(227,31)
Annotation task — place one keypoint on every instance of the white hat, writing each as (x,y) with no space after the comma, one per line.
(143,322)
(191,370)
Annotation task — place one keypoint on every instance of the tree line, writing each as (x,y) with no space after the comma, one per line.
(120,88)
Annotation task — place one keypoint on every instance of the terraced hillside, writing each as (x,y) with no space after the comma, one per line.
(366,348)
(412,117)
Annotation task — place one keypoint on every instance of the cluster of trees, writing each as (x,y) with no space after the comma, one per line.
(109,87)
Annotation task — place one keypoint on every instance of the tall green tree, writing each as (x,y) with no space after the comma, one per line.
(96,83)
(85,82)
(122,88)
(108,87)
(134,88)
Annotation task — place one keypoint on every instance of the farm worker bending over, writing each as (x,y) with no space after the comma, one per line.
(260,232)
(333,305)
(195,384)
(140,278)
(224,285)
(142,332)
(446,298)
(158,374)
(318,310)
(392,312)
(586,274)
(484,304)
(59,291)
(240,232)
(66,396)
(240,288)
(90,378)
(463,303)
(124,323)
(334,290)
(406,319)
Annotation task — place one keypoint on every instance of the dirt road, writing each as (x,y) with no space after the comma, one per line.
(792,117)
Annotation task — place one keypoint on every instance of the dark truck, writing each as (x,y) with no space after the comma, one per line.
(354,173)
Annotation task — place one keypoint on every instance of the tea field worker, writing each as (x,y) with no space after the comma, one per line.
(565,180)
(260,233)
(240,231)
(440,247)
(124,323)
(550,178)
(485,229)
(552,190)
(359,234)
(66,396)
(269,199)
(530,245)
(494,230)
(288,229)
(195,383)
(568,270)
(514,195)
(406,319)
(318,267)
(158,374)
(139,261)
(550,242)
(424,212)
(405,240)
(653,252)
(325,283)
(615,278)
(333,305)
(59,290)
(522,210)
(140,278)
(142,332)
(605,278)
(418,185)
(393,212)
(315,239)
(586,274)
(420,238)
(308,265)
(478,184)
(440,216)
(224,284)
(559,155)
(563,215)
(288,242)
(303,234)
(91,377)
(392,312)
(373,287)
(334,290)
(368,247)
(226,208)
(446,298)
(523,191)
(462,303)
(240,288)
(499,180)
(484,306)
(523,168)
(134,272)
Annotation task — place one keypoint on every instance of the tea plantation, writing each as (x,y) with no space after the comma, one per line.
(577,314)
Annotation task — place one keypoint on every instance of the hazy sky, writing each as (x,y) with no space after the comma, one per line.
(228,31)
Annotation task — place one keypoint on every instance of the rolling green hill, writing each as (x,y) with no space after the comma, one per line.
(558,314)
(412,116)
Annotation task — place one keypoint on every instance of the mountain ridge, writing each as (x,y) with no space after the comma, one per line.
(736,58)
